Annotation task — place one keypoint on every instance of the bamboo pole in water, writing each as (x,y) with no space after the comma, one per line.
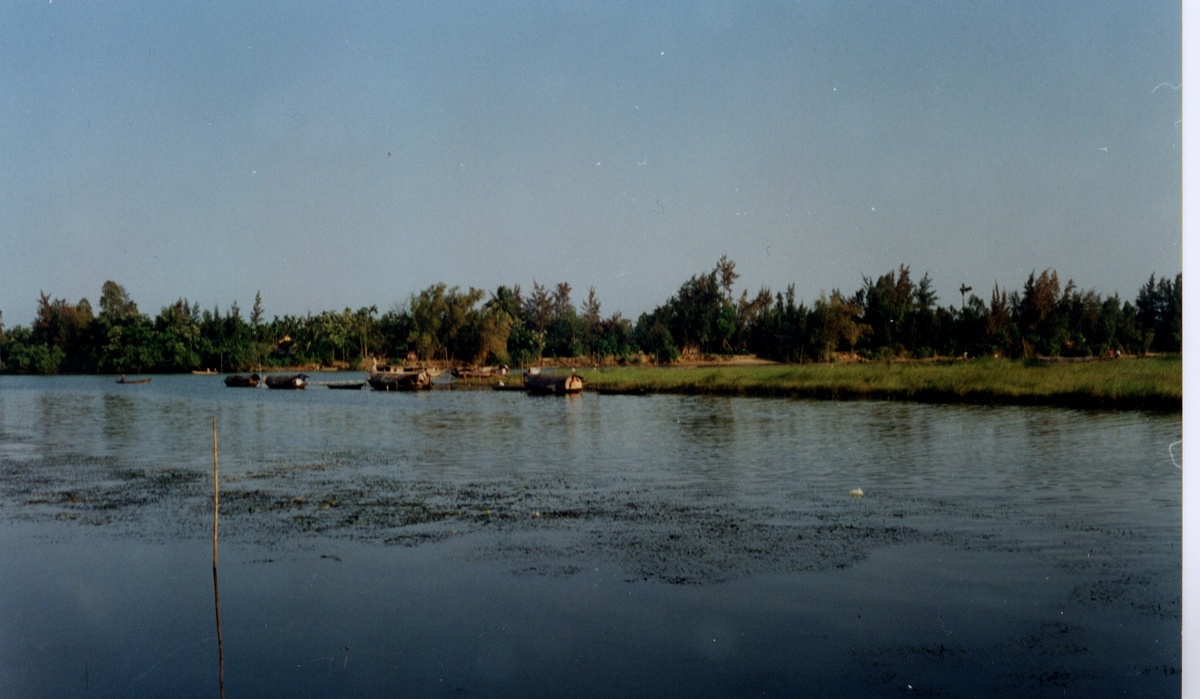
(216,589)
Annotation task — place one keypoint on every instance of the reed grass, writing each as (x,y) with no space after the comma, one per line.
(1149,383)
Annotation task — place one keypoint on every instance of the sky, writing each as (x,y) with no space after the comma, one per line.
(331,155)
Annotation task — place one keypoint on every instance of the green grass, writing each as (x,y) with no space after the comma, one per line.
(1154,383)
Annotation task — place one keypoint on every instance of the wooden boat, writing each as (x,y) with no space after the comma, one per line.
(347,385)
(637,391)
(433,372)
(125,380)
(377,368)
(243,381)
(479,372)
(400,381)
(204,372)
(551,384)
(287,381)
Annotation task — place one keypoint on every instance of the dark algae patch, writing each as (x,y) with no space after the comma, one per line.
(550,529)
(655,536)
(654,533)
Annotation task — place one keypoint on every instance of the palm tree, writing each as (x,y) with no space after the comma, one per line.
(504,303)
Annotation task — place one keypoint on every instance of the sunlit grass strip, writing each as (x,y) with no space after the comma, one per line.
(1155,383)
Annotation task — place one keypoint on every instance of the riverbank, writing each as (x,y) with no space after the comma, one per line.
(1147,383)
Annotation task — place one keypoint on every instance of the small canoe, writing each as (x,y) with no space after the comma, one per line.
(243,381)
(641,391)
(287,381)
(125,380)
(347,385)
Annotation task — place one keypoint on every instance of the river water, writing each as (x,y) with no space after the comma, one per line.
(475,543)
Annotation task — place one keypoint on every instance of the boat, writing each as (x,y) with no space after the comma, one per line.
(125,380)
(204,372)
(287,381)
(478,372)
(433,371)
(347,385)
(635,391)
(400,380)
(377,368)
(553,385)
(243,381)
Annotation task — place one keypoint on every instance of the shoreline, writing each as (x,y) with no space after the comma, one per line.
(1134,383)
(1127,384)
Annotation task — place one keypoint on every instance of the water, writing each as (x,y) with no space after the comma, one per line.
(495,544)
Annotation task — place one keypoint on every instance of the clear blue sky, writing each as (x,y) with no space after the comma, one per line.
(349,154)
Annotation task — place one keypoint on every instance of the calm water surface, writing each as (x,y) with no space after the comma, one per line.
(472,543)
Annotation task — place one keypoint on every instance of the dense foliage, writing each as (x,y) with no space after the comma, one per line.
(892,316)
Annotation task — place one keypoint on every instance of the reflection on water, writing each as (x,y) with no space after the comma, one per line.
(704,445)
(119,415)
(496,544)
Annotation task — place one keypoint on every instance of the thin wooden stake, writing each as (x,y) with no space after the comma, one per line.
(216,589)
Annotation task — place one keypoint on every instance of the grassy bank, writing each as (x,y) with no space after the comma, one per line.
(1152,383)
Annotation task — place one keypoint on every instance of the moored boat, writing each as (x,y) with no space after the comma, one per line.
(287,381)
(479,372)
(377,368)
(400,380)
(243,381)
(433,371)
(552,384)
(347,385)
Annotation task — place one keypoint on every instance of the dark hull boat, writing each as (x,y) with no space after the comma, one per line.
(553,385)
(287,381)
(479,372)
(401,381)
(125,380)
(243,381)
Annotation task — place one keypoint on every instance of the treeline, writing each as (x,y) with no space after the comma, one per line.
(895,316)
(891,316)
